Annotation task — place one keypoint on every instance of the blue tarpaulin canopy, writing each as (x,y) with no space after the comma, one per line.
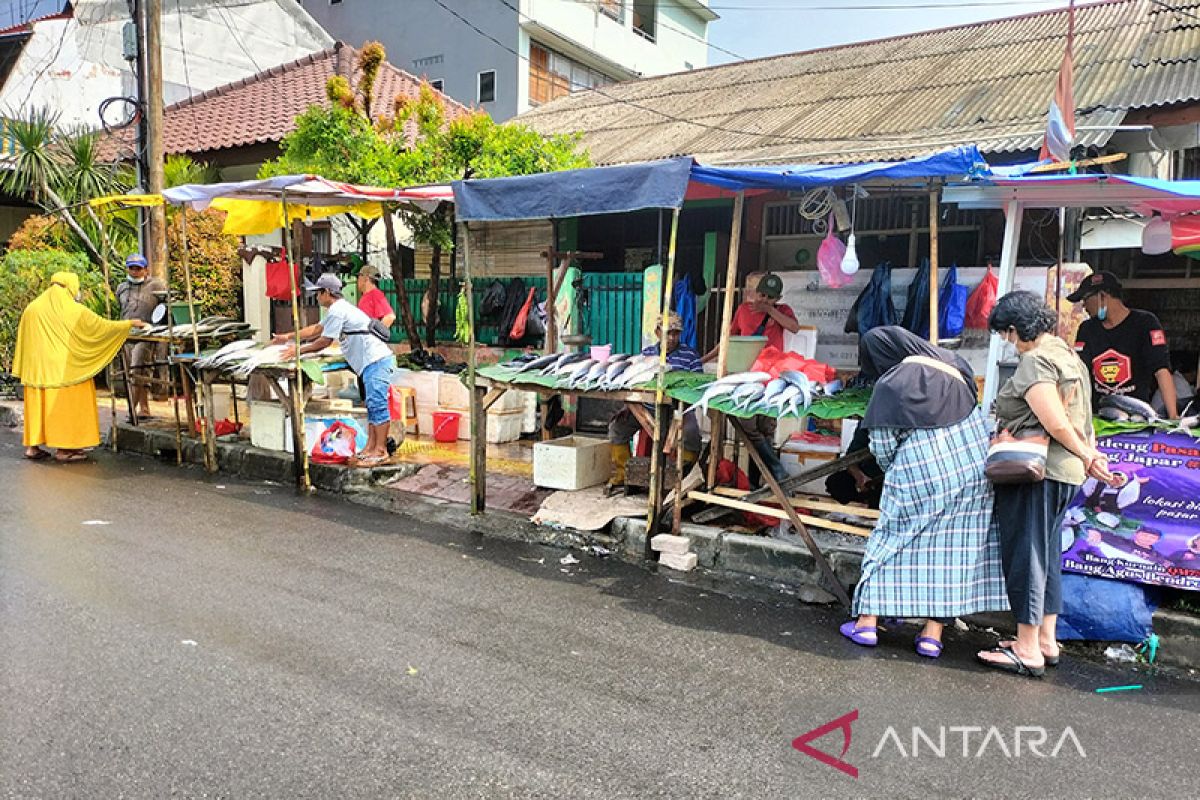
(957,163)
(663,184)
(575,192)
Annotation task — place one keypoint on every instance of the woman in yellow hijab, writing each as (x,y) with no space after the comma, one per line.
(61,345)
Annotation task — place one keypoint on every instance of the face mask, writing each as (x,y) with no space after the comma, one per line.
(1102,312)
(134,280)
(1008,351)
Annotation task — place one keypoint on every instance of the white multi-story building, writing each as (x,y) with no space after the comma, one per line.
(507,56)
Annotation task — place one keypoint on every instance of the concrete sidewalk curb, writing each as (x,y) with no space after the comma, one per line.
(12,414)
(728,556)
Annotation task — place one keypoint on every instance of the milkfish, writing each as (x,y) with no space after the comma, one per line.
(537,363)
(232,347)
(713,392)
(587,379)
(563,360)
(772,389)
(746,394)
(1130,405)
(744,377)
(637,374)
(566,375)
(808,389)
(782,400)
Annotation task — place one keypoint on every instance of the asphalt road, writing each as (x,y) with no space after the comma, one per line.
(167,634)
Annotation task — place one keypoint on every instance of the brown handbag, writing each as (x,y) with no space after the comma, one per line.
(1021,457)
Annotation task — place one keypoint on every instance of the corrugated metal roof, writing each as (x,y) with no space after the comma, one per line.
(988,83)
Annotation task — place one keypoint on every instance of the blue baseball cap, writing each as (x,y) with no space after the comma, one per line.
(136,260)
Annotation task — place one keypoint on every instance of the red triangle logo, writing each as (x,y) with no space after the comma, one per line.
(843,724)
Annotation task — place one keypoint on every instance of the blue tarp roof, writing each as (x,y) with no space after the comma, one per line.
(663,184)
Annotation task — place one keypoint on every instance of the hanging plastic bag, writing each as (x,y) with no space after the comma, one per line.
(279,285)
(493,300)
(874,306)
(829,259)
(916,305)
(517,331)
(335,445)
(982,301)
(952,306)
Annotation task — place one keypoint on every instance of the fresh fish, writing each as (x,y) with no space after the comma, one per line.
(746,394)
(780,401)
(636,375)
(713,392)
(232,347)
(1131,406)
(1112,414)
(563,360)
(1188,424)
(585,379)
(745,377)
(570,372)
(537,363)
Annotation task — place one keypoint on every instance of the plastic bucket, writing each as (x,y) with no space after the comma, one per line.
(743,351)
(601,352)
(445,426)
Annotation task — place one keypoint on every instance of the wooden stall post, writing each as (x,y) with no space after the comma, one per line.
(209,432)
(717,444)
(662,409)
(933,266)
(299,451)
(108,370)
(478,421)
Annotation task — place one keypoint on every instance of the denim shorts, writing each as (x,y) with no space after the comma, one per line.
(377,380)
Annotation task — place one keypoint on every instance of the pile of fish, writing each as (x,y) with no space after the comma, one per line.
(578,372)
(755,392)
(242,357)
(1118,408)
(209,327)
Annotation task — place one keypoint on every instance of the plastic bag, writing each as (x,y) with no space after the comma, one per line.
(1105,610)
(829,259)
(773,361)
(493,300)
(916,305)
(982,301)
(874,306)
(335,445)
(952,305)
(518,328)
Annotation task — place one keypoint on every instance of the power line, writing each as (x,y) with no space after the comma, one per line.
(220,13)
(856,6)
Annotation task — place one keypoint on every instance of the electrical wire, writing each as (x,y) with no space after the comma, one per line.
(220,13)
(853,6)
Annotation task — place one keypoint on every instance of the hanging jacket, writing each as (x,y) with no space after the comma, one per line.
(874,306)
(916,305)
(514,298)
(683,301)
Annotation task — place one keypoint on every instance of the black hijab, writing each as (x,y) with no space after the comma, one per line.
(913,395)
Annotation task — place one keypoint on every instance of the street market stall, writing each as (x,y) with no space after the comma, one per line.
(1146,531)
(261,206)
(663,185)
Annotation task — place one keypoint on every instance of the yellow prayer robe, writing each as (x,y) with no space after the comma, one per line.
(61,346)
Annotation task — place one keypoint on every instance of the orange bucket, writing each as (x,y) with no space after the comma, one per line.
(445,426)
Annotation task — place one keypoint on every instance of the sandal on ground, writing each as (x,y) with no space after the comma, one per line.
(368,462)
(863,637)
(73,458)
(928,647)
(1014,664)
(38,455)
(1051,661)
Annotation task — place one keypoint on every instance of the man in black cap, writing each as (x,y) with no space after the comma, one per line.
(1124,348)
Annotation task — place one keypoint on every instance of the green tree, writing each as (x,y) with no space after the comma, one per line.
(416,143)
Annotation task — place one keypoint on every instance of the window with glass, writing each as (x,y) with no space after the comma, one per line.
(487,86)
(612,8)
(553,75)
(644,18)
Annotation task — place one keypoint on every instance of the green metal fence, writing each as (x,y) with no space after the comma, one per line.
(611,308)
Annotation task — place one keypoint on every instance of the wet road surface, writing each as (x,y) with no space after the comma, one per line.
(166,633)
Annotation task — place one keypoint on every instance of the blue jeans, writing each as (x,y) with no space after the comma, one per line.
(376,379)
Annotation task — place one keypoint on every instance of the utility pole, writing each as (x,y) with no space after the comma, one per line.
(153,106)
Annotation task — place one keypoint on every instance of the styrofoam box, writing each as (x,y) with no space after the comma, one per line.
(571,463)
(427,385)
(456,397)
(452,394)
(500,428)
(270,427)
(529,412)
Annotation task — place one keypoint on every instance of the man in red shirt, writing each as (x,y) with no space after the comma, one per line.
(371,299)
(761,314)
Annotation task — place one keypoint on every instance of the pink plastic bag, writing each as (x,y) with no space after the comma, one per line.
(829,259)
(336,445)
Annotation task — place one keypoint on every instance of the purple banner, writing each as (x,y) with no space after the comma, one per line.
(1147,531)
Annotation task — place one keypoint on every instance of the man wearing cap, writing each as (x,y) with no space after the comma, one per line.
(622,427)
(761,314)
(1125,349)
(138,295)
(369,357)
(371,299)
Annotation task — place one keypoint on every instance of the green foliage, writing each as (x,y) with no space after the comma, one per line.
(179,170)
(37,163)
(24,274)
(85,175)
(213,261)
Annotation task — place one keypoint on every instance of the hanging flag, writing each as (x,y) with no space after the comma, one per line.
(1060,122)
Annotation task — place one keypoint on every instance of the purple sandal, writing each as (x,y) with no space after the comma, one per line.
(928,647)
(864,637)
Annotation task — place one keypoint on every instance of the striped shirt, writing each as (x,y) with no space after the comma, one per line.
(681,359)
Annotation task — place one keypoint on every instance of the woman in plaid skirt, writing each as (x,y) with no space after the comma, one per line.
(934,553)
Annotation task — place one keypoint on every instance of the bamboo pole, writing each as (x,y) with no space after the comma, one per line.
(108,370)
(934,284)
(717,444)
(478,421)
(300,457)
(208,431)
(656,455)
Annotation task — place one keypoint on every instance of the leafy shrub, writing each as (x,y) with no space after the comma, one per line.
(213,260)
(24,274)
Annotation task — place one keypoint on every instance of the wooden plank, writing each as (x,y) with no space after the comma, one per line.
(806,502)
(1059,166)
(494,394)
(777,513)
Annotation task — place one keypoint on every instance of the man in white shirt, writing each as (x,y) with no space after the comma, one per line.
(369,357)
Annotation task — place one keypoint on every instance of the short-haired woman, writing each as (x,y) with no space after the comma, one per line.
(1049,390)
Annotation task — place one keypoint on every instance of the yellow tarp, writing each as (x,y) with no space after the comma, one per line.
(250,217)
(145,200)
(61,342)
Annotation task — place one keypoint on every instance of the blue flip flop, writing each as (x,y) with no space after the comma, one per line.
(928,647)
(863,637)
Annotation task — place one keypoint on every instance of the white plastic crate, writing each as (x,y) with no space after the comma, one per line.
(270,427)
(500,428)
(571,463)
(452,394)
(426,384)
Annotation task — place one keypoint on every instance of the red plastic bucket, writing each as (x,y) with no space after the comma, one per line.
(445,426)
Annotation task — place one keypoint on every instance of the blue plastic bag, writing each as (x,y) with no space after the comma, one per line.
(1100,609)
(952,306)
